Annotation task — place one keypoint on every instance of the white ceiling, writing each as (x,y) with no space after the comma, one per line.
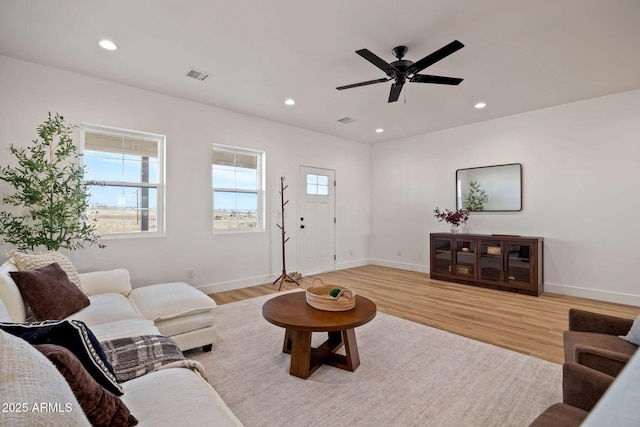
(518,56)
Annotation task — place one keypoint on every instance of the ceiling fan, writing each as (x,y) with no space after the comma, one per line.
(402,69)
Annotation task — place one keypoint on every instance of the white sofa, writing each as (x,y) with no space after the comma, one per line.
(178,310)
(167,397)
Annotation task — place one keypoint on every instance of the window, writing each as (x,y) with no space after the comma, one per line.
(317,185)
(237,184)
(125,172)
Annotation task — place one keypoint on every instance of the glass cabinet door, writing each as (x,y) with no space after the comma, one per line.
(501,261)
(518,263)
(465,257)
(491,261)
(443,255)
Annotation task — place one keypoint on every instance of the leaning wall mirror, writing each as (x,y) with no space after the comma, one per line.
(490,188)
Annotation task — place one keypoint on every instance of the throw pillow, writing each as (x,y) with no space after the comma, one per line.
(101,407)
(634,333)
(49,292)
(74,336)
(31,261)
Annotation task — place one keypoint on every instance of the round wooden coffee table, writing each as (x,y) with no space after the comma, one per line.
(300,320)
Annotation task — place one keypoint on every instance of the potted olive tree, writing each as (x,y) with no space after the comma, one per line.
(49,195)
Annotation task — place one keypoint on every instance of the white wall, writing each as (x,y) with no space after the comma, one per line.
(581,170)
(29,91)
(581,188)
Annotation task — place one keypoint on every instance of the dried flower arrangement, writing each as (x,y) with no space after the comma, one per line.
(457,217)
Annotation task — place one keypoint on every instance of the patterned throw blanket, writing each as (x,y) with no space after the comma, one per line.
(133,357)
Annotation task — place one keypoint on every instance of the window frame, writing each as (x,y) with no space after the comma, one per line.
(260,189)
(160,187)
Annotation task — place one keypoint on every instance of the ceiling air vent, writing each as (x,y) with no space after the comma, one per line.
(197,75)
(346,120)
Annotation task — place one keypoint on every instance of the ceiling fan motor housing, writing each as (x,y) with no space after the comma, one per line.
(402,65)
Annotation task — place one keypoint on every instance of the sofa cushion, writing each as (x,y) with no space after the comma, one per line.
(198,338)
(49,292)
(105,308)
(180,325)
(30,261)
(10,294)
(199,404)
(101,282)
(101,407)
(76,337)
(124,328)
(170,300)
(30,380)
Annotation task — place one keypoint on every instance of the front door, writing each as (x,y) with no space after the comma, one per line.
(316,222)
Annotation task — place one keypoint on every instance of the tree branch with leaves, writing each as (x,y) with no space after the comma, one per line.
(50,197)
(475,198)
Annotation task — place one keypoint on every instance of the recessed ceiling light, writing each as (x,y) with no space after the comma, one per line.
(290,101)
(480,105)
(379,130)
(107,44)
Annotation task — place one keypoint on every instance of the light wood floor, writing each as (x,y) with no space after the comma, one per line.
(529,325)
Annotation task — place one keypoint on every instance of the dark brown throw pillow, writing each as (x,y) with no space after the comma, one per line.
(101,407)
(49,292)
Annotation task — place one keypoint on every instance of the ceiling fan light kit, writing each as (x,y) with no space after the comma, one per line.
(107,44)
(403,70)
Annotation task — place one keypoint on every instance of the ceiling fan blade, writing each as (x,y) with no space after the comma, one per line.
(435,57)
(378,62)
(394,94)
(370,82)
(425,78)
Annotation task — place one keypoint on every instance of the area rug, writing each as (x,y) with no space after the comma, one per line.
(410,375)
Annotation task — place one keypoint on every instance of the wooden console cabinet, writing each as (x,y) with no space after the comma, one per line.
(508,263)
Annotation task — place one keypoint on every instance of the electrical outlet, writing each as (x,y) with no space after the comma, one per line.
(399,253)
(189,274)
(350,251)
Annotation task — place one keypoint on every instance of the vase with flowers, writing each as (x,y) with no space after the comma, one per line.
(456,219)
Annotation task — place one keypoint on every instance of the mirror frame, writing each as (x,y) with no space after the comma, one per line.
(518,196)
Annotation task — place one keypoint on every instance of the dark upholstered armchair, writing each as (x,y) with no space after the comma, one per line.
(594,355)
(593,341)
(582,387)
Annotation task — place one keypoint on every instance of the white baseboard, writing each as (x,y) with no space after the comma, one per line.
(352,264)
(261,280)
(554,288)
(400,265)
(236,284)
(575,291)
(595,294)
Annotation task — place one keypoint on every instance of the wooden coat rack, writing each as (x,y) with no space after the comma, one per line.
(284,276)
